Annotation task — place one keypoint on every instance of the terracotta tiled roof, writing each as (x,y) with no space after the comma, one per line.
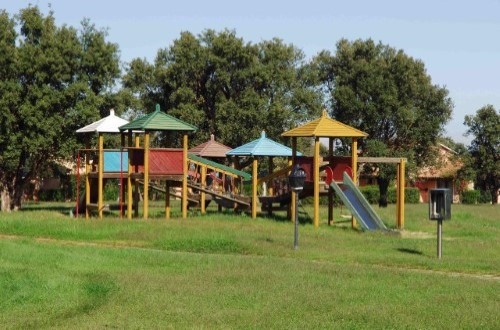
(446,166)
(211,148)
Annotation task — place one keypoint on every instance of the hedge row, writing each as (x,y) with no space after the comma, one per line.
(475,197)
(372,195)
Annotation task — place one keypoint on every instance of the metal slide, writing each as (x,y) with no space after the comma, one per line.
(357,204)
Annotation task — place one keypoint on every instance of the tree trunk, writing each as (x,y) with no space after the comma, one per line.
(11,196)
(5,200)
(383,185)
(494,195)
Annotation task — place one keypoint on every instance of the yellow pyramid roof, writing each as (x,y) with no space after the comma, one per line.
(325,127)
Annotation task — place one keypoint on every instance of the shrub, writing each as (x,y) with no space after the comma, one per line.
(371,193)
(412,195)
(485,197)
(470,196)
(111,191)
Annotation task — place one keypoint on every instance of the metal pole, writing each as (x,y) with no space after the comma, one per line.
(296,236)
(439,236)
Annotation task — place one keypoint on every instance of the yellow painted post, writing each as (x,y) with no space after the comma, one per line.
(146,175)
(203,183)
(330,191)
(316,182)
(354,166)
(293,162)
(87,183)
(100,172)
(254,187)
(270,185)
(136,183)
(167,200)
(184,176)
(401,197)
(129,177)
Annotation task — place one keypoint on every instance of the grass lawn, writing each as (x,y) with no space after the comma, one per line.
(222,270)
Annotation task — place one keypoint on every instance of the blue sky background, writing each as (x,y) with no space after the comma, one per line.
(459,41)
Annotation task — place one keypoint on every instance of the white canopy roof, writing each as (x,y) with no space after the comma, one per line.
(107,124)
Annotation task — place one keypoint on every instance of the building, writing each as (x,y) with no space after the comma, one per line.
(443,174)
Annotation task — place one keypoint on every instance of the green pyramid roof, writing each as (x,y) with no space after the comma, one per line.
(158,121)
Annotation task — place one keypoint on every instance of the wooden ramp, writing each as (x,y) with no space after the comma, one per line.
(226,200)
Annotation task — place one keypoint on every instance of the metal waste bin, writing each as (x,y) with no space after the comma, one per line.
(439,210)
(439,204)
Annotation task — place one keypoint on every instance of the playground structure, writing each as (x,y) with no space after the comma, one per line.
(199,180)
(95,170)
(325,127)
(261,147)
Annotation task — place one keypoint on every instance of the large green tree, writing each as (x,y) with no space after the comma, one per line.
(53,80)
(485,148)
(227,87)
(387,94)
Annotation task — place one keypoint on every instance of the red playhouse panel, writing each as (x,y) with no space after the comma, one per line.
(338,172)
(166,162)
(161,161)
(306,163)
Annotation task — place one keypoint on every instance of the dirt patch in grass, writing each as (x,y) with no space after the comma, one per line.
(416,234)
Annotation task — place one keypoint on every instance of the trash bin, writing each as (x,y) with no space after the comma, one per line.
(440,204)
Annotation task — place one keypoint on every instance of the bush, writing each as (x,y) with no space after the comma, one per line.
(111,190)
(485,197)
(51,195)
(371,193)
(412,195)
(471,196)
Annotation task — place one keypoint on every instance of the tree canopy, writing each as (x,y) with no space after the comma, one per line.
(388,95)
(53,80)
(221,84)
(484,126)
(385,93)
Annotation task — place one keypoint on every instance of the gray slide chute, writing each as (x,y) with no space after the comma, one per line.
(357,204)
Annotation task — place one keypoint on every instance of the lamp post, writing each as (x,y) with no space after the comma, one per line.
(296,181)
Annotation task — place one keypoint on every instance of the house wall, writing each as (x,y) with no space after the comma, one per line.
(425,185)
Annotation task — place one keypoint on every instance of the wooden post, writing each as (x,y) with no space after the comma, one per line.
(87,183)
(184,176)
(354,166)
(293,162)
(330,191)
(316,182)
(136,183)
(122,179)
(129,178)
(203,183)
(146,175)
(401,195)
(100,174)
(254,187)
(167,200)
(270,183)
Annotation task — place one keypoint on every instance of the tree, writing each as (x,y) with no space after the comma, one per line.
(53,80)
(387,94)
(227,87)
(485,147)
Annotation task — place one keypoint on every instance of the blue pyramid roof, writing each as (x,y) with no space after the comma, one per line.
(262,147)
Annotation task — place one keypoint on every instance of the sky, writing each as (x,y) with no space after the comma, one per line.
(458,41)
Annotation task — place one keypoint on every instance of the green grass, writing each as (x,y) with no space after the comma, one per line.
(226,271)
